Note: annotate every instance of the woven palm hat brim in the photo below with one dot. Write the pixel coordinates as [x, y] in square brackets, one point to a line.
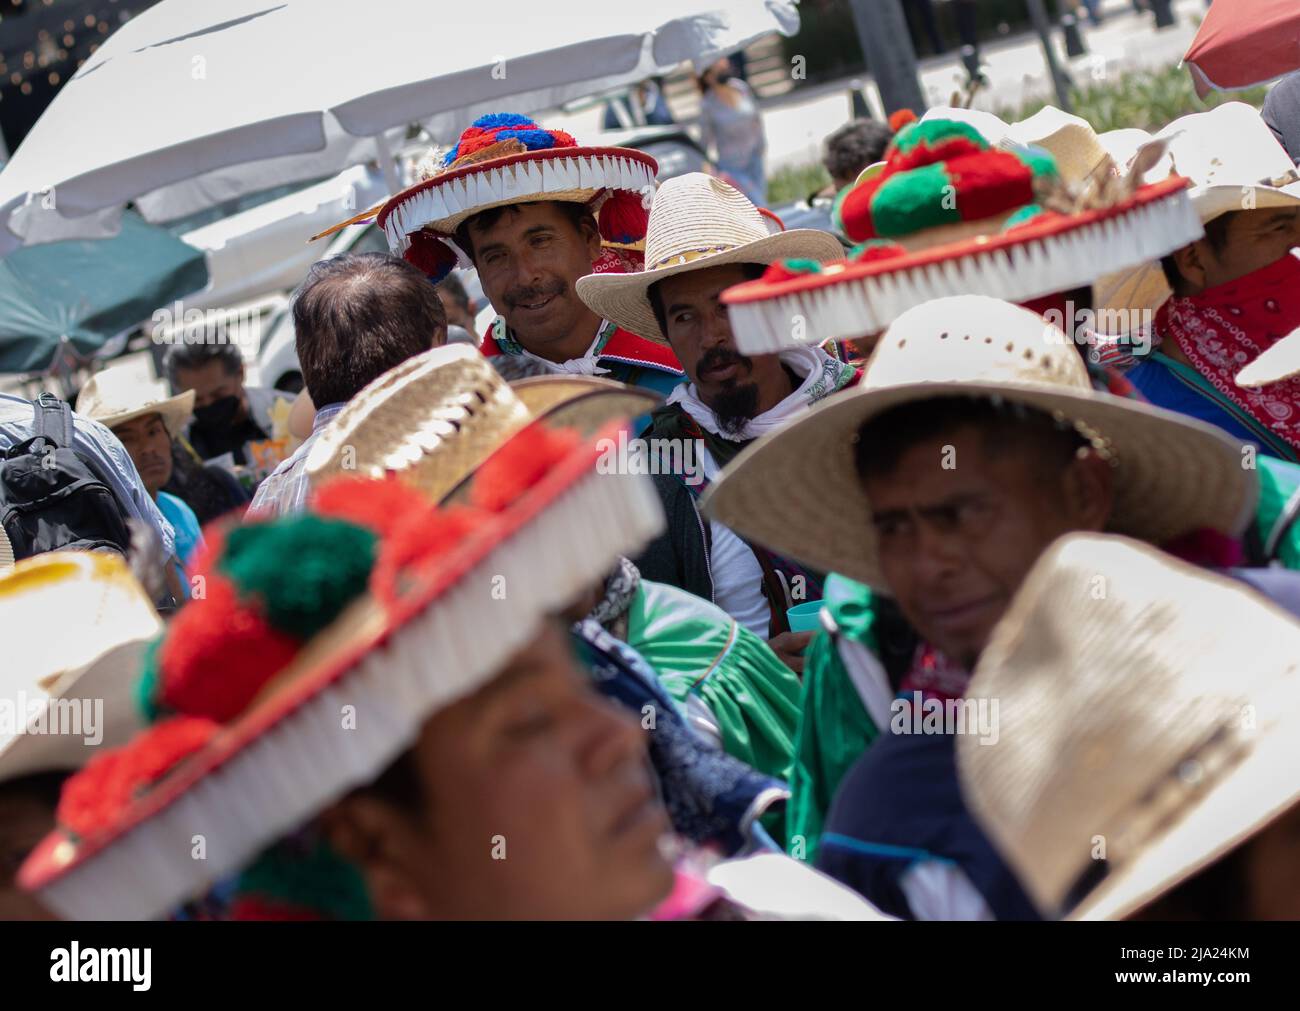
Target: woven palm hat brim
[1161, 715]
[436, 417]
[1042, 257]
[1272, 365]
[85, 623]
[1173, 474]
[286, 757]
[114, 397]
[698, 221]
[572, 174]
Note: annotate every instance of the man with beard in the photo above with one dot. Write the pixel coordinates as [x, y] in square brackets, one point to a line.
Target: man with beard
[571, 210]
[703, 237]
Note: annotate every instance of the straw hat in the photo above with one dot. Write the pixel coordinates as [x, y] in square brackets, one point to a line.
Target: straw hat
[84, 623]
[118, 395]
[437, 416]
[1235, 163]
[951, 213]
[1173, 474]
[697, 221]
[373, 602]
[1161, 716]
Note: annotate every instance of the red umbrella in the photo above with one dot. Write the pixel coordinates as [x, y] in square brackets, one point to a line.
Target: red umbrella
[1242, 43]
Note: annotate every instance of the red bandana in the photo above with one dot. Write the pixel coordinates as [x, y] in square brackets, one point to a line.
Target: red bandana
[1224, 328]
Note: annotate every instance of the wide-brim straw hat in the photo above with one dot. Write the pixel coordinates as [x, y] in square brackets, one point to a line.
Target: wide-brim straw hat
[1273, 364]
[437, 416]
[1148, 712]
[77, 625]
[118, 395]
[417, 638]
[1235, 163]
[697, 221]
[1173, 475]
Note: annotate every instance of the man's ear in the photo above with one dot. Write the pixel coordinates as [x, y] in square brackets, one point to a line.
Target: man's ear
[1090, 491]
[1191, 261]
[379, 840]
[591, 233]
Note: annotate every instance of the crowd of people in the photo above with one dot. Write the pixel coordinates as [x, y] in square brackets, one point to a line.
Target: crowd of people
[516, 624]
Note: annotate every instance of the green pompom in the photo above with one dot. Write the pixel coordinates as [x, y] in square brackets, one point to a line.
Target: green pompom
[305, 872]
[802, 266]
[1022, 216]
[146, 689]
[934, 131]
[304, 570]
[912, 201]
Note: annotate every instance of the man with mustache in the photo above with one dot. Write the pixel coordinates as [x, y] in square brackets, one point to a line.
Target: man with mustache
[572, 210]
[703, 237]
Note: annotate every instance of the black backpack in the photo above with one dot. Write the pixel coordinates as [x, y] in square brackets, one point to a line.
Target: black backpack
[51, 497]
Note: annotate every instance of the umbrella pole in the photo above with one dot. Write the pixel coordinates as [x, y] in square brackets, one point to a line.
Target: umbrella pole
[388, 164]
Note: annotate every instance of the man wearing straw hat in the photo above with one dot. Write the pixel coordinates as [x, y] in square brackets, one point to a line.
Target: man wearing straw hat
[703, 237]
[974, 440]
[533, 211]
[141, 414]
[1209, 308]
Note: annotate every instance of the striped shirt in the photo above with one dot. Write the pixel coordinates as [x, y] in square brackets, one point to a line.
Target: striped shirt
[286, 488]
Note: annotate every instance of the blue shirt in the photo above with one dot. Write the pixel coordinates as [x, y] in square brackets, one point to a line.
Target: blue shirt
[1155, 381]
[188, 535]
[95, 442]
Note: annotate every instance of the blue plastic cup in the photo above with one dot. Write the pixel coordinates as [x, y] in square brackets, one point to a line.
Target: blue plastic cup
[804, 617]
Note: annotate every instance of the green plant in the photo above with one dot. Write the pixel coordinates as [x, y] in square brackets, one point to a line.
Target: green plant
[1147, 99]
[795, 182]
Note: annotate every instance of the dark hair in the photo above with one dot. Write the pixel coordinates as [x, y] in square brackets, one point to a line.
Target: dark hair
[452, 286]
[576, 213]
[196, 356]
[400, 784]
[752, 272]
[854, 146]
[1216, 234]
[1216, 892]
[882, 440]
[358, 315]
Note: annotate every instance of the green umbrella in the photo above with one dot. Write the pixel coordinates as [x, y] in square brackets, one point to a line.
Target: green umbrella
[89, 290]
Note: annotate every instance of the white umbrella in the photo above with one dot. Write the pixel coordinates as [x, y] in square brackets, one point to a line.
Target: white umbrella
[191, 103]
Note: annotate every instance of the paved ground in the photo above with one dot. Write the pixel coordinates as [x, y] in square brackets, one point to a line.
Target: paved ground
[798, 122]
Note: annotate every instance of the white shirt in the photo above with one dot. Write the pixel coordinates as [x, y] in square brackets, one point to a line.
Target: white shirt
[737, 576]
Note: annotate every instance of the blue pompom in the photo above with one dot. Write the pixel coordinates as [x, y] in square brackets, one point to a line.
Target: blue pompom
[493, 120]
[534, 140]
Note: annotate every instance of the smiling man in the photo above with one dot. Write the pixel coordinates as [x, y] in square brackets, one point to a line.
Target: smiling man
[705, 236]
[571, 210]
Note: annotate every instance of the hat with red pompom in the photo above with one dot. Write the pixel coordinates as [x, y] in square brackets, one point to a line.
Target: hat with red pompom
[947, 213]
[375, 601]
[504, 158]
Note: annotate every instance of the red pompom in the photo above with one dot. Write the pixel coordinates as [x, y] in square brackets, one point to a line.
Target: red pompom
[925, 153]
[989, 183]
[623, 217]
[430, 255]
[853, 210]
[519, 464]
[218, 654]
[93, 798]
[899, 118]
[379, 504]
[788, 270]
[418, 543]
